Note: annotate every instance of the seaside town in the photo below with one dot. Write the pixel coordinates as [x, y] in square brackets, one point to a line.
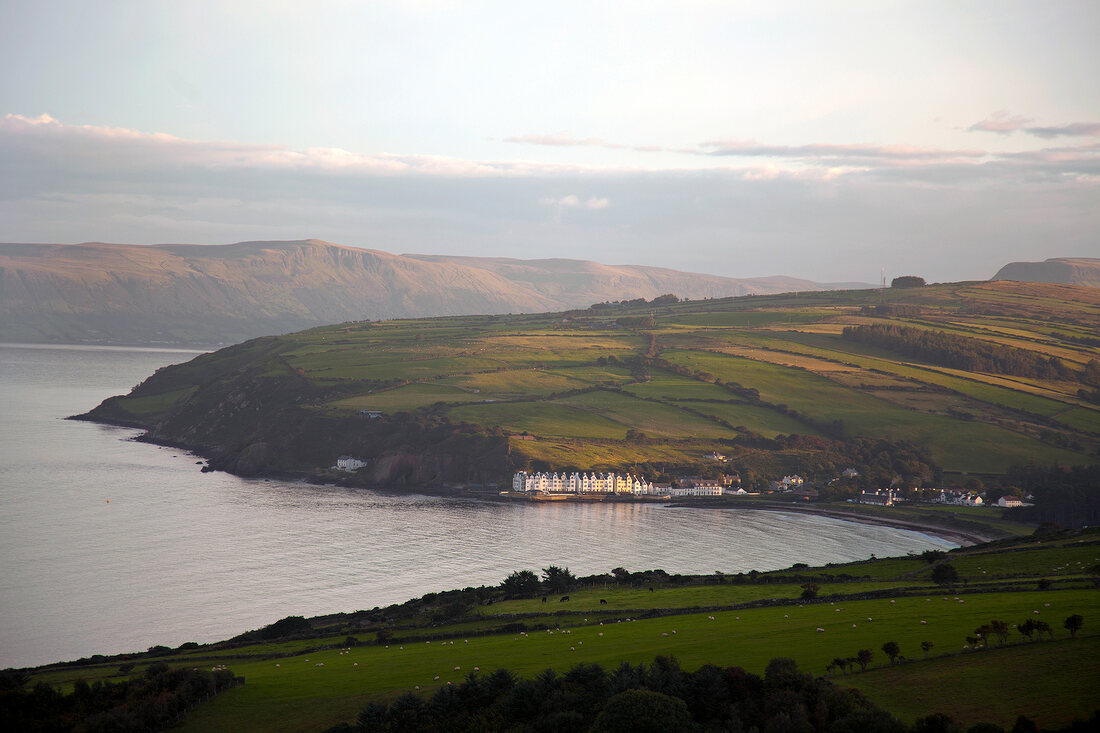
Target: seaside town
[600, 485]
[597, 484]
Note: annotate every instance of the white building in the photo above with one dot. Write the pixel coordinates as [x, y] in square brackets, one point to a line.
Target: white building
[1009, 501]
[580, 483]
[347, 463]
[702, 489]
[789, 482]
[882, 498]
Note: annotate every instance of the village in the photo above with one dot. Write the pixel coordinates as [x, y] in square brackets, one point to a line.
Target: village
[594, 485]
[540, 486]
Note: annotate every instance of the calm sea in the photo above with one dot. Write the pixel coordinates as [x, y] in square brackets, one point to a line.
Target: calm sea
[109, 545]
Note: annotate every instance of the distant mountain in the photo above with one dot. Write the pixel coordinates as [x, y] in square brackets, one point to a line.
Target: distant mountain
[1064, 270]
[208, 294]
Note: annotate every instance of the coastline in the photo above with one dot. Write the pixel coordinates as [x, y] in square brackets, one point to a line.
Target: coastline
[961, 537]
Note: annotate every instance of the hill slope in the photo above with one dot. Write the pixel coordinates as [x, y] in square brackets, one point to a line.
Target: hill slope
[1064, 270]
[217, 294]
[900, 384]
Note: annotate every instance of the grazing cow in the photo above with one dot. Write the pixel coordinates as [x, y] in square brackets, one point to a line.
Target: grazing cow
[544, 599]
[603, 602]
[650, 590]
[563, 599]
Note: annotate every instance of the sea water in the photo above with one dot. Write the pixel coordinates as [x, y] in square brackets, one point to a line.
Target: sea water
[109, 545]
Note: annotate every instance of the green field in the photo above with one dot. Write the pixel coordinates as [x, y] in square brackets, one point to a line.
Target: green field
[770, 365]
[308, 684]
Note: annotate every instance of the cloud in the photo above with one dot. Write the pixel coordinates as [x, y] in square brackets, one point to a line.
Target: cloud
[819, 211]
[831, 153]
[1000, 122]
[1073, 129]
[560, 139]
[572, 201]
[1003, 123]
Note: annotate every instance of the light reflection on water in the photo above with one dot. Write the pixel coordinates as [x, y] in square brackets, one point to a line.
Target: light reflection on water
[176, 555]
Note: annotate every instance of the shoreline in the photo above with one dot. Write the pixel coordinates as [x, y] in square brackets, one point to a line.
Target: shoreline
[963, 538]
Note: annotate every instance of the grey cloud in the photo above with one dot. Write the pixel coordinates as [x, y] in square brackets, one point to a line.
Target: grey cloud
[1003, 123]
[944, 219]
[1000, 122]
[1073, 129]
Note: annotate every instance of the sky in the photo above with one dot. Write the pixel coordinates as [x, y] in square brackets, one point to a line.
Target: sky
[824, 140]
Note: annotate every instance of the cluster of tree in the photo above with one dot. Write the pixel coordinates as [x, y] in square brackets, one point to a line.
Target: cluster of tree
[959, 352]
[147, 703]
[1062, 495]
[666, 299]
[659, 697]
[525, 584]
[907, 281]
[1028, 628]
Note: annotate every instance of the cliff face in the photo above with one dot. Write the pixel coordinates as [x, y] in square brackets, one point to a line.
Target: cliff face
[200, 294]
[1062, 270]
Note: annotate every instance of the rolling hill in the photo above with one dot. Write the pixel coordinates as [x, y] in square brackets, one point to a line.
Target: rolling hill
[1064, 270]
[970, 378]
[199, 294]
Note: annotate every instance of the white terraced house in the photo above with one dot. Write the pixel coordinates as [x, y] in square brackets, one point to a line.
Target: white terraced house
[581, 483]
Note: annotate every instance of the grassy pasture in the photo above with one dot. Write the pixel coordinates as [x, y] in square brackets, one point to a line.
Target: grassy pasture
[762, 420]
[517, 383]
[1051, 683]
[541, 418]
[667, 386]
[652, 418]
[746, 318]
[957, 445]
[602, 456]
[297, 695]
[408, 397]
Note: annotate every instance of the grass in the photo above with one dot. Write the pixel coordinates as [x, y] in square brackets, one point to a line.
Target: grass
[788, 347]
[295, 685]
[299, 696]
[1050, 683]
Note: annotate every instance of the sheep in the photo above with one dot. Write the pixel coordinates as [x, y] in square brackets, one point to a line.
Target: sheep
[457, 668]
[820, 629]
[923, 622]
[435, 678]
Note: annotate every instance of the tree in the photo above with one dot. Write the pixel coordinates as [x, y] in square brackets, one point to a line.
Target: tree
[1000, 630]
[1074, 623]
[840, 663]
[932, 557]
[642, 710]
[520, 584]
[558, 580]
[926, 646]
[907, 281]
[1042, 627]
[892, 650]
[809, 591]
[864, 657]
[945, 574]
[1027, 629]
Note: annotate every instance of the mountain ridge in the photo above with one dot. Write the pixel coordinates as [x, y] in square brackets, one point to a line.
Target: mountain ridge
[1061, 270]
[97, 292]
